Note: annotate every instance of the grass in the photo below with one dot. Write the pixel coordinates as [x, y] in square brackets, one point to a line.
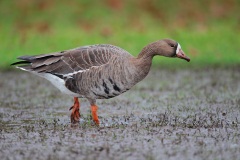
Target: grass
[31, 28]
[209, 48]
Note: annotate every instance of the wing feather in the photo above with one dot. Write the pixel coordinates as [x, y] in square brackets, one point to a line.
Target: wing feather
[71, 61]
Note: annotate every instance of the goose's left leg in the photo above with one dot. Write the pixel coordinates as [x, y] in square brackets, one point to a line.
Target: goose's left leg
[94, 109]
[75, 115]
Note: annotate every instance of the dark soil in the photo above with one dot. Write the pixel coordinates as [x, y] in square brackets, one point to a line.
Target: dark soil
[172, 114]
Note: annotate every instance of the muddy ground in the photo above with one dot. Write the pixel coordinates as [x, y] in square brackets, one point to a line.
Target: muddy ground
[171, 114]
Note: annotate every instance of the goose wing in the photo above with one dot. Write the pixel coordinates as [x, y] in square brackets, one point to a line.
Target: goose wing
[70, 61]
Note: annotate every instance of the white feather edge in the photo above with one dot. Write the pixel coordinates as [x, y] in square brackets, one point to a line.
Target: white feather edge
[56, 81]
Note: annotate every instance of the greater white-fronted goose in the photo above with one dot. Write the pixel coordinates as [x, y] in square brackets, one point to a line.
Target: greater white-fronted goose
[97, 71]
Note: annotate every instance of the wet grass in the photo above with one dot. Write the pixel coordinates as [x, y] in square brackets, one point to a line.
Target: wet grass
[172, 114]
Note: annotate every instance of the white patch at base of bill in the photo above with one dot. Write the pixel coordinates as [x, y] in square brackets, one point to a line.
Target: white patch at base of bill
[178, 48]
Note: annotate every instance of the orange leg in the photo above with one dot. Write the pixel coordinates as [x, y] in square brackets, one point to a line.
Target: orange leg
[94, 109]
[75, 115]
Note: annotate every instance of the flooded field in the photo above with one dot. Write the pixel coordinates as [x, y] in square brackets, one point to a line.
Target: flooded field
[171, 114]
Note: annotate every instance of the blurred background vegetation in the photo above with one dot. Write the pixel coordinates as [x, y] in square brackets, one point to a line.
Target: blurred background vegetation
[208, 31]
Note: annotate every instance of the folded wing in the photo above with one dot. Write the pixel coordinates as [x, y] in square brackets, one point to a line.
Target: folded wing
[71, 61]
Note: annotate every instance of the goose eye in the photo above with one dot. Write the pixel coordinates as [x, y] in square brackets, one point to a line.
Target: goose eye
[172, 45]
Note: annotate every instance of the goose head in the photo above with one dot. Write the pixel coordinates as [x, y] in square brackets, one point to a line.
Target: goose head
[167, 48]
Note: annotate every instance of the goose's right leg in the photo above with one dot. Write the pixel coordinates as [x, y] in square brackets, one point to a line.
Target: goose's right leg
[75, 115]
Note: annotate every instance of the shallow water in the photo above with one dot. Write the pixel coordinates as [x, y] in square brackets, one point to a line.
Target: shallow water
[172, 114]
